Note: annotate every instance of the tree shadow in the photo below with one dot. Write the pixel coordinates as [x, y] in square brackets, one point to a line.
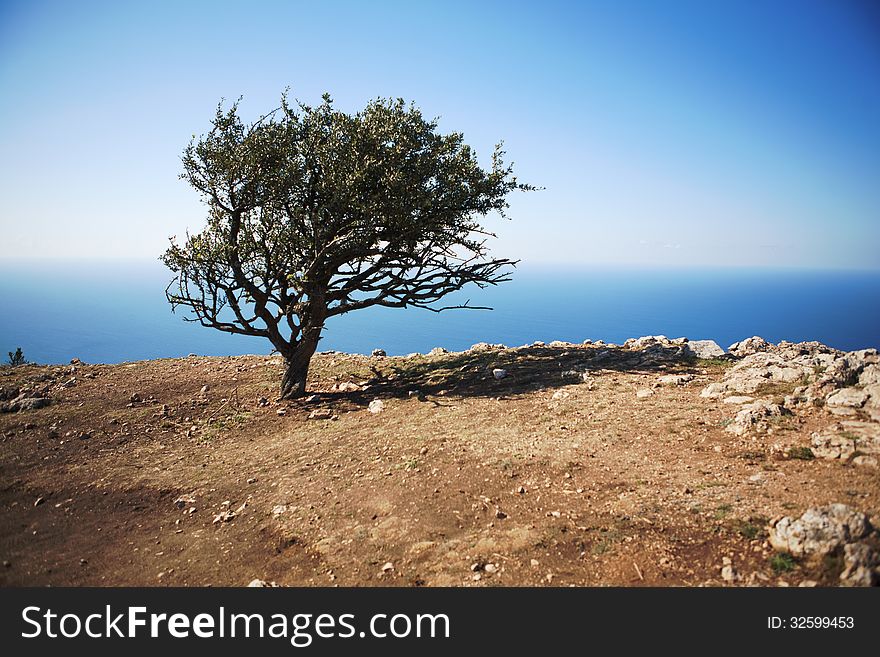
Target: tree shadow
[526, 369]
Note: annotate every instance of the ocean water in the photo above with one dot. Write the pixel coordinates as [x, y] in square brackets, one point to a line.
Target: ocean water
[115, 312]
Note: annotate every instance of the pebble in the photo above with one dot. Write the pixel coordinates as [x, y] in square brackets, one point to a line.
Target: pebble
[499, 373]
[376, 406]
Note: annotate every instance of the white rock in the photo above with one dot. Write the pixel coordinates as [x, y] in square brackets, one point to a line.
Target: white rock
[376, 406]
[499, 373]
[819, 531]
[675, 379]
[738, 399]
[644, 392]
[705, 348]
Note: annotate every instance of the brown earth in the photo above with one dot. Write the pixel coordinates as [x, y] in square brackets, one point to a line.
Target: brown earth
[539, 478]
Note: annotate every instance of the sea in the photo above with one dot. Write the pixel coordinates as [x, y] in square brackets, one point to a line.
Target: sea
[114, 311]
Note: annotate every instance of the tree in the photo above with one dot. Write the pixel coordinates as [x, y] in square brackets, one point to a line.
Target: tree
[313, 213]
[17, 358]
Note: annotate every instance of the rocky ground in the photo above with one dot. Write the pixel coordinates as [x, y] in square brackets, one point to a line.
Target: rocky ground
[656, 462]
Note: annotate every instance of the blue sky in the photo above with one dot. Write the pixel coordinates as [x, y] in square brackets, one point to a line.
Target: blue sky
[665, 133]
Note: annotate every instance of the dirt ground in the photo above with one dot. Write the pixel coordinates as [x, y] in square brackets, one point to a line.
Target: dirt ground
[188, 472]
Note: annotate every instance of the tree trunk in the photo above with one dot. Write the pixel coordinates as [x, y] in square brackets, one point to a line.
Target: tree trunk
[293, 383]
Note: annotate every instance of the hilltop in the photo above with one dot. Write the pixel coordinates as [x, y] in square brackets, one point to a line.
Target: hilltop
[656, 462]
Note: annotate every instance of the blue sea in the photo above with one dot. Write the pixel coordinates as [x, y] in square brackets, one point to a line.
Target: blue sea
[115, 312]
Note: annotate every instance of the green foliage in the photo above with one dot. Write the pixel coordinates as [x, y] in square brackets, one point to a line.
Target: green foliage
[16, 359]
[802, 453]
[782, 562]
[313, 212]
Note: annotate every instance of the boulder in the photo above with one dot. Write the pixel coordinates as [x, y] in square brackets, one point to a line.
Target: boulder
[749, 346]
[705, 349]
[819, 531]
[755, 416]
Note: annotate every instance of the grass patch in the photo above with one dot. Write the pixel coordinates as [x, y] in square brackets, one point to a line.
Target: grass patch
[751, 529]
[782, 563]
[801, 453]
[722, 511]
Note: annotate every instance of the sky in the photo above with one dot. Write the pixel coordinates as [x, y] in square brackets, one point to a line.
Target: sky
[671, 133]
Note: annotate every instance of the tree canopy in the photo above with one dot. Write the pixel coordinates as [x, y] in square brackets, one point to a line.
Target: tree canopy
[313, 212]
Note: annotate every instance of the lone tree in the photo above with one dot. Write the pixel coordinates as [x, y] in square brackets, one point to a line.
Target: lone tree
[313, 212]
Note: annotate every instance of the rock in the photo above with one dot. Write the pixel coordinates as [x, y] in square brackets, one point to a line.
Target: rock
[387, 567]
[279, 509]
[26, 404]
[348, 386]
[204, 390]
[135, 398]
[862, 565]
[499, 373]
[490, 568]
[262, 584]
[560, 394]
[749, 346]
[7, 393]
[704, 349]
[75, 361]
[378, 353]
[281, 412]
[870, 375]
[644, 393]
[376, 406]
[738, 399]
[224, 516]
[714, 390]
[675, 379]
[321, 414]
[819, 531]
[755, 416]
[437, 351]
[480, 346]
[848, 440]
[846, 398]
[559, 344]
[728, 574]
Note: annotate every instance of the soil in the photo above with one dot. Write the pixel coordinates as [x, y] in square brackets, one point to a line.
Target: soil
[189, 472]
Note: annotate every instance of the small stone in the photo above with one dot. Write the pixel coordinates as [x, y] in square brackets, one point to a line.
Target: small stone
[281, 412]
[378, 353]
[376, 406]
[135, 398]
[387, 567]
[423, 451]
[499, 373]
[728, 574]
[490, 568]
[644, 392]
[534, 563]
[261, 583]
[279, 509]
[39, 501]
[252, 480]
[500, 514]
[204, 389]
[321, 414]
